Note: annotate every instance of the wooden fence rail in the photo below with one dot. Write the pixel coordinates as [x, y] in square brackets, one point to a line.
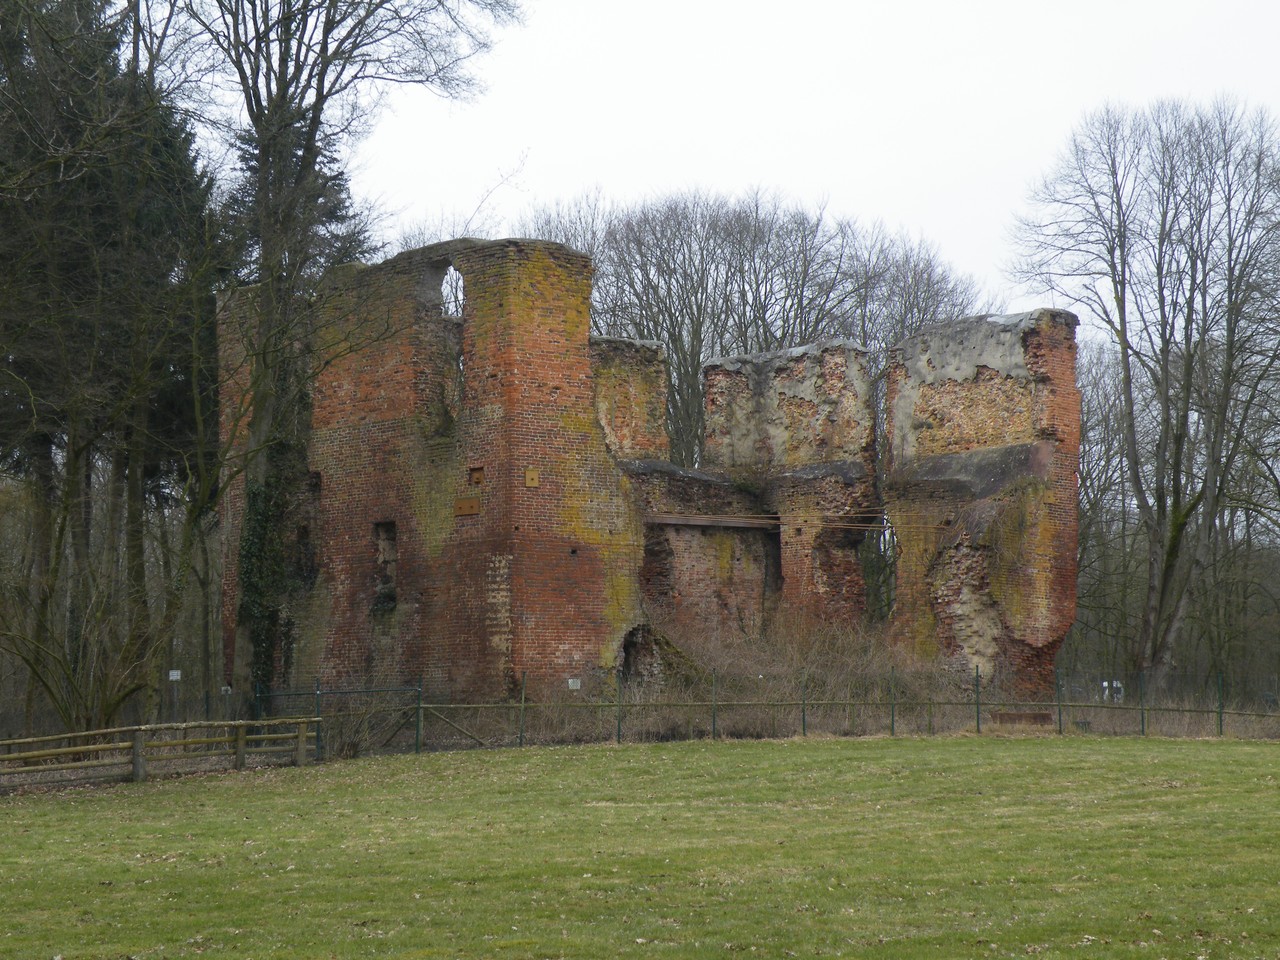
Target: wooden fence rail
[126, 752]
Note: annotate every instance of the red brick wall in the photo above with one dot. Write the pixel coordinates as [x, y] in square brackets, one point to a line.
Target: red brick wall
[543, 576]
[535, 519]
[984, 429]
[699, 575]
[574, 538]
[796, 426]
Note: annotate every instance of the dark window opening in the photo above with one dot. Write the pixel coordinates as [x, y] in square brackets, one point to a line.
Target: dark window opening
[303, 560]
[384, 538]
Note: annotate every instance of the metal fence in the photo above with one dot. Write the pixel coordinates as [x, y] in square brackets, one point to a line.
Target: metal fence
[923, 703]
[331, 723]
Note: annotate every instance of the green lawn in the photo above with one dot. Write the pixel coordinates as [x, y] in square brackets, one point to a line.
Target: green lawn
[946, 847]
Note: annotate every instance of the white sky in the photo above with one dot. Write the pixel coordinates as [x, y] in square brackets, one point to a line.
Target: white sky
[934, 117]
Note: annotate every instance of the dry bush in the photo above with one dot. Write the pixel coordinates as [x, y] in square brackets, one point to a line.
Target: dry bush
[800, 672]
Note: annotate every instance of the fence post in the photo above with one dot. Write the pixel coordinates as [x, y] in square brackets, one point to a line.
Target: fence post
[617, 732]
[300, 751]
[804, 710]
[1057, 695]
[242, 743]
[713, 704]
[417, 730]
[319, 741]
[1142, 703]
[850, 708]
[1220, 703]
[524, 678]
[977, 696]
[893, 703]
[138, 756]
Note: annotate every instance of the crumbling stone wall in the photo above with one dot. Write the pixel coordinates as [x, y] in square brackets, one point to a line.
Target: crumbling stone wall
[796, 426]
[711, 561]
[983, 448]
[490, 497]
[476, 446]
[773, 519]
[630, 379]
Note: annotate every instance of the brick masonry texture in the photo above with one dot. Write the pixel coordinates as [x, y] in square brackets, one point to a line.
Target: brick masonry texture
[489, 498]
[984, 436]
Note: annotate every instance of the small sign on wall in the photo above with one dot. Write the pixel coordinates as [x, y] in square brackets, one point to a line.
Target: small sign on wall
[466, 506]
[175, 675]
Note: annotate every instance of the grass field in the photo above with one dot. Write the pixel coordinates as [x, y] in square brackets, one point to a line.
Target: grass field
[947, 847]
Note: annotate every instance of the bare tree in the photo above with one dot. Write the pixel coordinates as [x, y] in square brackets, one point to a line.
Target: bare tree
[1163, 225]
[1110, 551]
[304, 73]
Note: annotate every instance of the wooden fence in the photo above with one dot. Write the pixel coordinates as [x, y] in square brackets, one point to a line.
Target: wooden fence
[127, 752]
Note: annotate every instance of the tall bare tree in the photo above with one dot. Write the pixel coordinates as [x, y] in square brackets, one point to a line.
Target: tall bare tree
[1164, 225]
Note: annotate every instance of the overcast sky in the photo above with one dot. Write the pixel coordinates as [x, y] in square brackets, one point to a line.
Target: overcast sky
[933, 117]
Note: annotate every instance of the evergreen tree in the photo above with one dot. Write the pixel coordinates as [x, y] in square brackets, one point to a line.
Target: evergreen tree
[104, 345]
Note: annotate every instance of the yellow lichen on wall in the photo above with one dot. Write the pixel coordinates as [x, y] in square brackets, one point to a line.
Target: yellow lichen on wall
[991, 411]
[1020, 540]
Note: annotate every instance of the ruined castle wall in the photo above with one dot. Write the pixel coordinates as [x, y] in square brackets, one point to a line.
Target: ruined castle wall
[630, 378]
[382, 444]
[557, 511]
[796, 425]
[467, 521]
[354, 531]
[702, 576]
[823, 515]
[490, 497]
[793, 408]
[984, 426]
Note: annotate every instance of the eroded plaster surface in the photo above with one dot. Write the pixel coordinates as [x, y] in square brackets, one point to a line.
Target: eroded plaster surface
[984, 417]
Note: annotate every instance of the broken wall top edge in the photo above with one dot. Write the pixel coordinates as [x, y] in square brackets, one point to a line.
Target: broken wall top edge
[955, 349]
[740, 360]
[631, 342]
[447, 250]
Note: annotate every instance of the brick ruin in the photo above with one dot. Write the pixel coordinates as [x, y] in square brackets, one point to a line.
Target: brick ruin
[491, 497]
[983, 446]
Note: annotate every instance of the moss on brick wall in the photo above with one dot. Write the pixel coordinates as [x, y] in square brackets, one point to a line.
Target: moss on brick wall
[984, 419]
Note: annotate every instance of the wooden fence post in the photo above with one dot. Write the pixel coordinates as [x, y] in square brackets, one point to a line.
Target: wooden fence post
[241, 744]
[139, 758]
[300, 754]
